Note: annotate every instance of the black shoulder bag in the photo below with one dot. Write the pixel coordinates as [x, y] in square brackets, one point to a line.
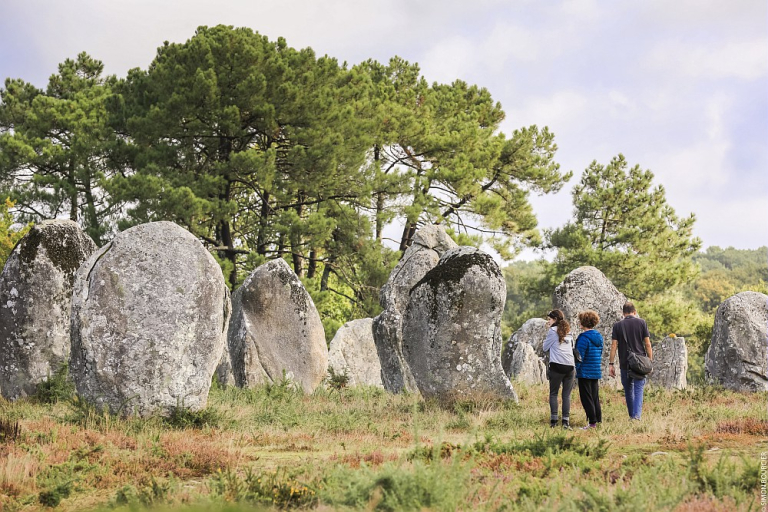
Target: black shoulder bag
[639, 365]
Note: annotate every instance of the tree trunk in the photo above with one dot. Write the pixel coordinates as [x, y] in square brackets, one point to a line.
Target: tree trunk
[92, 216]
[312, 266]
[261, 239]
[296, 239]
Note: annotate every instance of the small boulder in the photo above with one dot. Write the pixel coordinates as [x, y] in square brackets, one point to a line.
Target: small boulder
[276, 330]
[149, 318]
[429, 243]
[738, 355]
[588, 288]
[452, 328]
[353, 352]
[526, 366]
[532, 332]
[35, 299]
[670, 364]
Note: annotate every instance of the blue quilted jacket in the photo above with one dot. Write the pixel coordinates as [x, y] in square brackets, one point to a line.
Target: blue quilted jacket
[590, 346]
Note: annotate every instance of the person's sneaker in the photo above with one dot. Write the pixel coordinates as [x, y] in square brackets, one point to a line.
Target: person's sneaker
[566, 425]
[591, 425]
[552, 423]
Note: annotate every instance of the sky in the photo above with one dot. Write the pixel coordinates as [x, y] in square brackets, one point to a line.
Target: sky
[680, 88]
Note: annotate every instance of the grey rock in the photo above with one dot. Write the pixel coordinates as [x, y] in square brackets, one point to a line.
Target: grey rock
[738, 355]
[588, 288]
[532, 332]
[670, 364]
[526, 366]
[452, 328]
[353, 351]
[429, 243]
[276, 330]
[35, 298]
[149, 319]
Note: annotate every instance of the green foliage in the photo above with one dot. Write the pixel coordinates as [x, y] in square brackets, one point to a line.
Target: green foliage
[276, 488]
[524, 299]
[625, 228]
[181, 417]
[9, 235]
[56, 146]
[151, 495]
[337, 381]
[393, 487]
[56, 387]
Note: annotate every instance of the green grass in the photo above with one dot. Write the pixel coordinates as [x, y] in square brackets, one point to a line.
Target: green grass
[348, 448]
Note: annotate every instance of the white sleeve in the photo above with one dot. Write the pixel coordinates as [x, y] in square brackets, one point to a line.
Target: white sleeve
[551, 340]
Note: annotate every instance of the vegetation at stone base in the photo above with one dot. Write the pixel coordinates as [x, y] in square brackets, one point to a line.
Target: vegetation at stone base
[274, 448]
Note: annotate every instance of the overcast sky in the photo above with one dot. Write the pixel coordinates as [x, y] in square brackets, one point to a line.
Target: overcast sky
[679, 87]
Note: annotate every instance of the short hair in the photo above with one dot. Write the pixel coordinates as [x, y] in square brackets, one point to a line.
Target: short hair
[589, 318]
[628, 308]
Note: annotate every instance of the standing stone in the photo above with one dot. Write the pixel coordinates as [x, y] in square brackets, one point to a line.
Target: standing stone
[588, 288]
[532, 332]
[452, 328]
[149, 318]
[670, 364]
[353, 351]
[738, 355]
[35, 298]
[429, 244]
[276, 330]
[526, 366]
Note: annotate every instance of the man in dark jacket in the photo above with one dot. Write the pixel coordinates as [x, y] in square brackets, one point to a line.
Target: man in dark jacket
[589, 369]
[630, 334]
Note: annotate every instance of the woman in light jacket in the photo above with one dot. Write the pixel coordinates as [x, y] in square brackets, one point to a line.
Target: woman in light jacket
[559, 344]
[589, 370]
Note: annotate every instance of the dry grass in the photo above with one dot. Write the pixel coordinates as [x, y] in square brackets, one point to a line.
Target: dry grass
[344, 442]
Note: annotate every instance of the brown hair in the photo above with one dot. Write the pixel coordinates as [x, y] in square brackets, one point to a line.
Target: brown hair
[628, 308]
[563, 327]
[589, 318]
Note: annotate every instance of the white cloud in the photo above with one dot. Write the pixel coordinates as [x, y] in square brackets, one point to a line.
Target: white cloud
[743, 60]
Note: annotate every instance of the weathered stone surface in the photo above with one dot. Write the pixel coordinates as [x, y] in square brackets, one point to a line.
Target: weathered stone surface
[35, 298]
[532, 332]
[276, 330]
[429, 243]
[670, 364]
[149, 319]
[353, 351]
[738, 355]
[588, 288]
[452, 328]
[526, 366]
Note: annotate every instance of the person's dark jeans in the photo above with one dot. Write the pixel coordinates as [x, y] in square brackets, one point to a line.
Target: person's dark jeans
[633, 392]
[589, 392]
[566, 380]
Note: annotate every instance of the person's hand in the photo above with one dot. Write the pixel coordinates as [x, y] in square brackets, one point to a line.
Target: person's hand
[612, 371]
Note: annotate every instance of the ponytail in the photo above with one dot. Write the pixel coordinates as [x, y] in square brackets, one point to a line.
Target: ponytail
[562, 325]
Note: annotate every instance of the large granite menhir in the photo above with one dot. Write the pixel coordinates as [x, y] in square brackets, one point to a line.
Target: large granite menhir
[525, 365]
[532, 333]
[149, 319]
[738, 355]
[452, 328]
[588, 288]
[353, 351]
[35, 298]
[276, 331]
[429, 244]
[670, 363]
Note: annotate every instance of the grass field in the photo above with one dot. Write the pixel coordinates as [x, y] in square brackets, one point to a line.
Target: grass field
[273, 447]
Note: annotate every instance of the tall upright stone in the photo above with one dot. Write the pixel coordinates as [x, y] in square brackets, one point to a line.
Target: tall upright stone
[525, 365]
[35, 298]
[670, 363]
[452, 328]
[429, 244]
[149, 318]
[276, 330]
[353, 352]
[532, 333]
[588, 288]
[738, 355]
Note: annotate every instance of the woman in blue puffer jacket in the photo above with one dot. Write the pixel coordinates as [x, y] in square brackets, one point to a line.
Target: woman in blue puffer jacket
[589, 369]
